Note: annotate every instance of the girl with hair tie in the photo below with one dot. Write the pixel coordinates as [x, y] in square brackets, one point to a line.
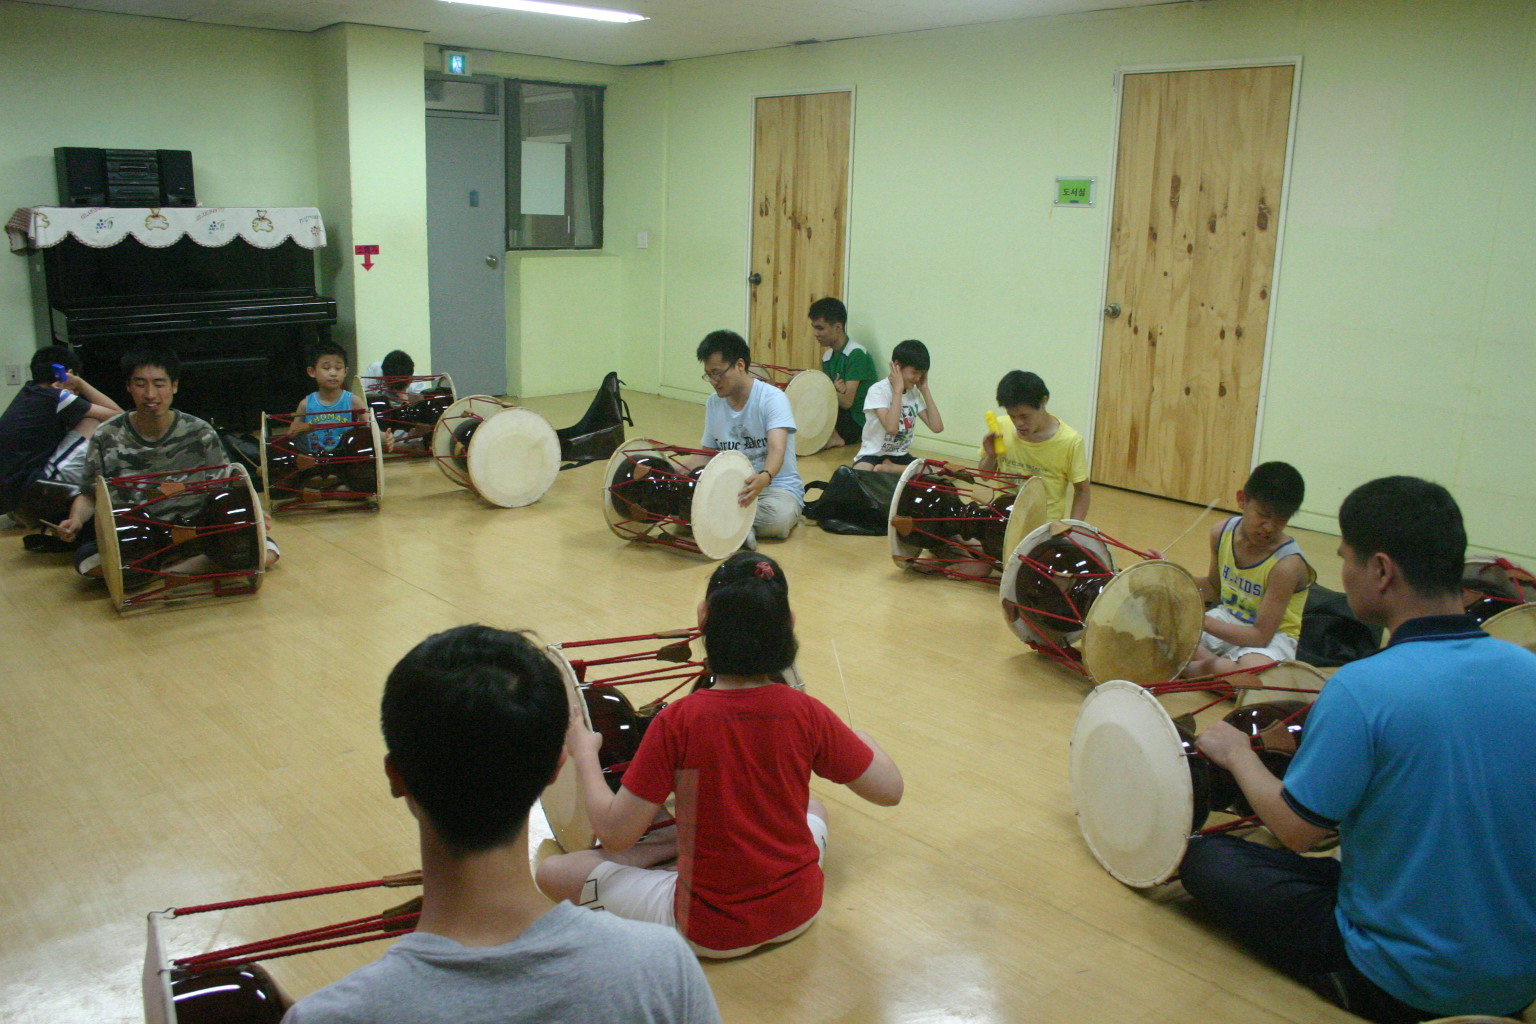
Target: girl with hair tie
[738, 756]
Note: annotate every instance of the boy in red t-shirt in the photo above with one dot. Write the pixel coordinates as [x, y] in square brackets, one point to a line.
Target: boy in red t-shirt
[739, 757]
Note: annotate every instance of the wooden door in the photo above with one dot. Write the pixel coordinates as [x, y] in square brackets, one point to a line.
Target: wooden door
[1198, 180]
[799, 220]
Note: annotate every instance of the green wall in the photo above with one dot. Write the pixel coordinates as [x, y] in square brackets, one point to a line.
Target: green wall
[242, 100]
[569, 321]
[373, 155]
[1401, 339]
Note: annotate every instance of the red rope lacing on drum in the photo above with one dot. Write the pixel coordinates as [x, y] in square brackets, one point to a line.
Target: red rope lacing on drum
[999, 482]
[1523, 582]
[639, 525]
[302, 499]
[175, 581]
[1043, 643]
[345, 933]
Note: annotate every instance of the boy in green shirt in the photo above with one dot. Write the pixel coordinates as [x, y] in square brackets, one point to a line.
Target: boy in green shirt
[850, 366]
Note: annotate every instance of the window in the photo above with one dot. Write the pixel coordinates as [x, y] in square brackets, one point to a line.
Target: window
[554, 165]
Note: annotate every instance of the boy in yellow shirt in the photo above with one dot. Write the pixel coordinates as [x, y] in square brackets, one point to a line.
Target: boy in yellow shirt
[1039, 445]
[1259, 576]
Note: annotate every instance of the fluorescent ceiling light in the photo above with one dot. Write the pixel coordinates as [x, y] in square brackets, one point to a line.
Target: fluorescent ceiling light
[569, 10]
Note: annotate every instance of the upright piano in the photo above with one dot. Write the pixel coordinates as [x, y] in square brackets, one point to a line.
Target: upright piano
[239, 313]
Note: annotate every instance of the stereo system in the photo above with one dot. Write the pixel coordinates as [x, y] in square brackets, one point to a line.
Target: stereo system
[124, 177]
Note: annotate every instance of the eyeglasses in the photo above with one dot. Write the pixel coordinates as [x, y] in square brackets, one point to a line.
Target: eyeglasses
[713, 376]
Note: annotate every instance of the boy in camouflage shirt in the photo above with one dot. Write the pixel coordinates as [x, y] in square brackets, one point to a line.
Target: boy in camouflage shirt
[152, 438]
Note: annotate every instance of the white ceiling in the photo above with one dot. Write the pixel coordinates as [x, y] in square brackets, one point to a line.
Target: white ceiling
[676, 29]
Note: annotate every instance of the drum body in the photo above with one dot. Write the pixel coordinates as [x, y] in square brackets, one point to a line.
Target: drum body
[1140, 788]
[1053, 578]
[1283, 680]
[185, 534]
[958, 521]
[300, 476]
[227, 995]
[44, 503]
[1491, 586]
[812, 398]
[411, 418]
[652, 495]
[599, 677]
[508, 455]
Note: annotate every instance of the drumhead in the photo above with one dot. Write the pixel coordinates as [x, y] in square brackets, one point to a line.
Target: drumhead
[479, 406]
[813, 400]
[1517, 625]
[903, 550]
[620, 523]
[1028, 515]
[266, 478]
[1092, 542]
[1131, 785]
[1144, 625]
[514, 458]
[106, 543]
[260, 568]
[378, 459]
[1296, 680]
[719, 522]
[561, 800]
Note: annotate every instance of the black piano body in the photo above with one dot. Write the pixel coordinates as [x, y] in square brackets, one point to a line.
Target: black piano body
[238, 316]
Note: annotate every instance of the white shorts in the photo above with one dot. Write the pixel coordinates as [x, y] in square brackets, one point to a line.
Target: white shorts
[647, 894]
[1281, 647]
[67, 463]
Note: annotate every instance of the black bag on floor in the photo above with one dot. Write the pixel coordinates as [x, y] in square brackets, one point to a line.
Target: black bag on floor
[1330, 633]
[854, 501]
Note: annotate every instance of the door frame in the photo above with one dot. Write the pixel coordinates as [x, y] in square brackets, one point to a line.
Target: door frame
[748, 203]
[1281, 209]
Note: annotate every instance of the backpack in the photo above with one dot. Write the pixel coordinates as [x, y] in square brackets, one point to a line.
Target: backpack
[854, 501]
[1330, 633]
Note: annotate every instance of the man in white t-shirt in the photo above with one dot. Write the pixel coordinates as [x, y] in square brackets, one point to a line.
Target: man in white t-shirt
[754, 418]
[892, 409]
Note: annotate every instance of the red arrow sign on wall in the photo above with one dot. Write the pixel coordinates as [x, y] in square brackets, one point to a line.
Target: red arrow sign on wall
[367, 252]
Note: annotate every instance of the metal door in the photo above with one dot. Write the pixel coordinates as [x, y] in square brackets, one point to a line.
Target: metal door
[466, 228]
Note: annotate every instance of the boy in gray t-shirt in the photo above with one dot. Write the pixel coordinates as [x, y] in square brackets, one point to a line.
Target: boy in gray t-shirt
[474, 722]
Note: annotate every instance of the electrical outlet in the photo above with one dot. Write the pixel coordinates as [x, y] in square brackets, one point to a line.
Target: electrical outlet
[13, 374]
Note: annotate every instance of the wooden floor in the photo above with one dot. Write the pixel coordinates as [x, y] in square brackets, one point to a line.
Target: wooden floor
[232, 748]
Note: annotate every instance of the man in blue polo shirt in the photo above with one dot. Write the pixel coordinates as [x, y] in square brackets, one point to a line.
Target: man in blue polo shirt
[1421, 757]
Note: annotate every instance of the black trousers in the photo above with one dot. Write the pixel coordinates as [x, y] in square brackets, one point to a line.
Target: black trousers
[1280, 905]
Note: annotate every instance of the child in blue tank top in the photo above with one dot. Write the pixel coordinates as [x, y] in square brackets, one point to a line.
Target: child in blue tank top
[329, 403]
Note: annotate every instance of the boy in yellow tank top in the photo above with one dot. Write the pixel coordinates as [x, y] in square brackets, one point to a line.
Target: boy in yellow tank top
[1258, 575]
[1039, 445]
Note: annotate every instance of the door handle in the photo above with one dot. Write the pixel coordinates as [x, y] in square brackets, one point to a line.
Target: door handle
[492, 261]
[754, 278]
[1112, 310]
